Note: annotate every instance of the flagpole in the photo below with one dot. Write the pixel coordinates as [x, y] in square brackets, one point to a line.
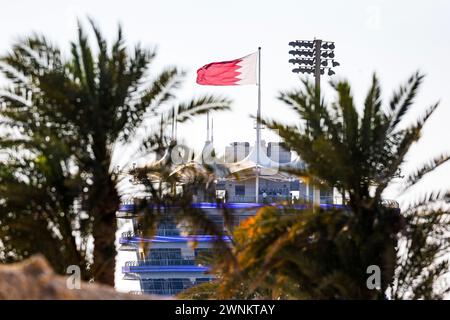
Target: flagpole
[207, 127]
[258, 127]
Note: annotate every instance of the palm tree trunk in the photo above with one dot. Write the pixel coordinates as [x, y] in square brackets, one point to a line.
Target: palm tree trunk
[104, 232]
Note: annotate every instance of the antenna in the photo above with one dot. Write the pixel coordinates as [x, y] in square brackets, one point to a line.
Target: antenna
[175, 122]
[207, 126]
[212, 129]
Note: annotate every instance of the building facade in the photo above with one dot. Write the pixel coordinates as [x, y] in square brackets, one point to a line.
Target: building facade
[168, 263]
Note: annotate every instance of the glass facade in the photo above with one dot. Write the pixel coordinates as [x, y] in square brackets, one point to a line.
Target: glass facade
[163, 254]
[171, 286]
[171, 265]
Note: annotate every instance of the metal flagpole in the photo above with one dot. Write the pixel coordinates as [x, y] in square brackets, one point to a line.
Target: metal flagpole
[212, 130]
[258, 127]
[207, 126]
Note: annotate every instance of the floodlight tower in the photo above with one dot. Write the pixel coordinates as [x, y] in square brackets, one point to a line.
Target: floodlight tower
[313, 57]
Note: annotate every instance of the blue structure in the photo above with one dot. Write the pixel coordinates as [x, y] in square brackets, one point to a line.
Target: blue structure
[169, 264]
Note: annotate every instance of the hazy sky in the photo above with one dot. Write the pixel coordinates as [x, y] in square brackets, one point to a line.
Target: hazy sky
[392, 38]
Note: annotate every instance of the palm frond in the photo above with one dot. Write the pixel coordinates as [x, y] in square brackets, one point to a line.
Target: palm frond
[426, 168]
[403, 98]
[201, 105]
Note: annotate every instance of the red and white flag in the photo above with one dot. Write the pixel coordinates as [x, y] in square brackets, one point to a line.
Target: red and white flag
[229, 73]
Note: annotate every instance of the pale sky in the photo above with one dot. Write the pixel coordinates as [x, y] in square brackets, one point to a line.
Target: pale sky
[392, 38]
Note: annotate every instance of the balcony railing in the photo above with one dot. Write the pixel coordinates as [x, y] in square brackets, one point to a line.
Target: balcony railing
[278, 198]
[261, 199]
[234, 201]
[159, 232]
[128, 235]
[188, 261]
[163, 292]
[169, 265]
[238, 199]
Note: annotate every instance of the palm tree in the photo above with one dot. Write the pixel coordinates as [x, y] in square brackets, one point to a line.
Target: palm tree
[356, 153]
[359, 154]
[38, 203]
[324, 253]
[282, 253]
[98, 101]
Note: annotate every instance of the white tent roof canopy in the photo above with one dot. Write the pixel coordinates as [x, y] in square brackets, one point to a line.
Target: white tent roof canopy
[243, 169]
[265, 163]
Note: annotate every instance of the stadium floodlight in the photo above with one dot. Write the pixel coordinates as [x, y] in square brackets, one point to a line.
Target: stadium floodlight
[312, 56]
[301, 43]
[303, 70]
[306, 53]
[302, 61]
[335, 63]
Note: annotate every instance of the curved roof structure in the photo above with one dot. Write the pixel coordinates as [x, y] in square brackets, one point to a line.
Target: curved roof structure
[207, 162]
[268, 168]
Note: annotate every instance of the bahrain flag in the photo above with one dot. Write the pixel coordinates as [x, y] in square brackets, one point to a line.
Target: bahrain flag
[229, 73]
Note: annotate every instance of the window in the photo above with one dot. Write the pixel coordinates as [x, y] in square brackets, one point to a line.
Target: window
[239, 190]
[167, 228]
[165, 254]
[165, 286]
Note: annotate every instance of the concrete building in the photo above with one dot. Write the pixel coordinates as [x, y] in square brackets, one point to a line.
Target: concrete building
[236, 151]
